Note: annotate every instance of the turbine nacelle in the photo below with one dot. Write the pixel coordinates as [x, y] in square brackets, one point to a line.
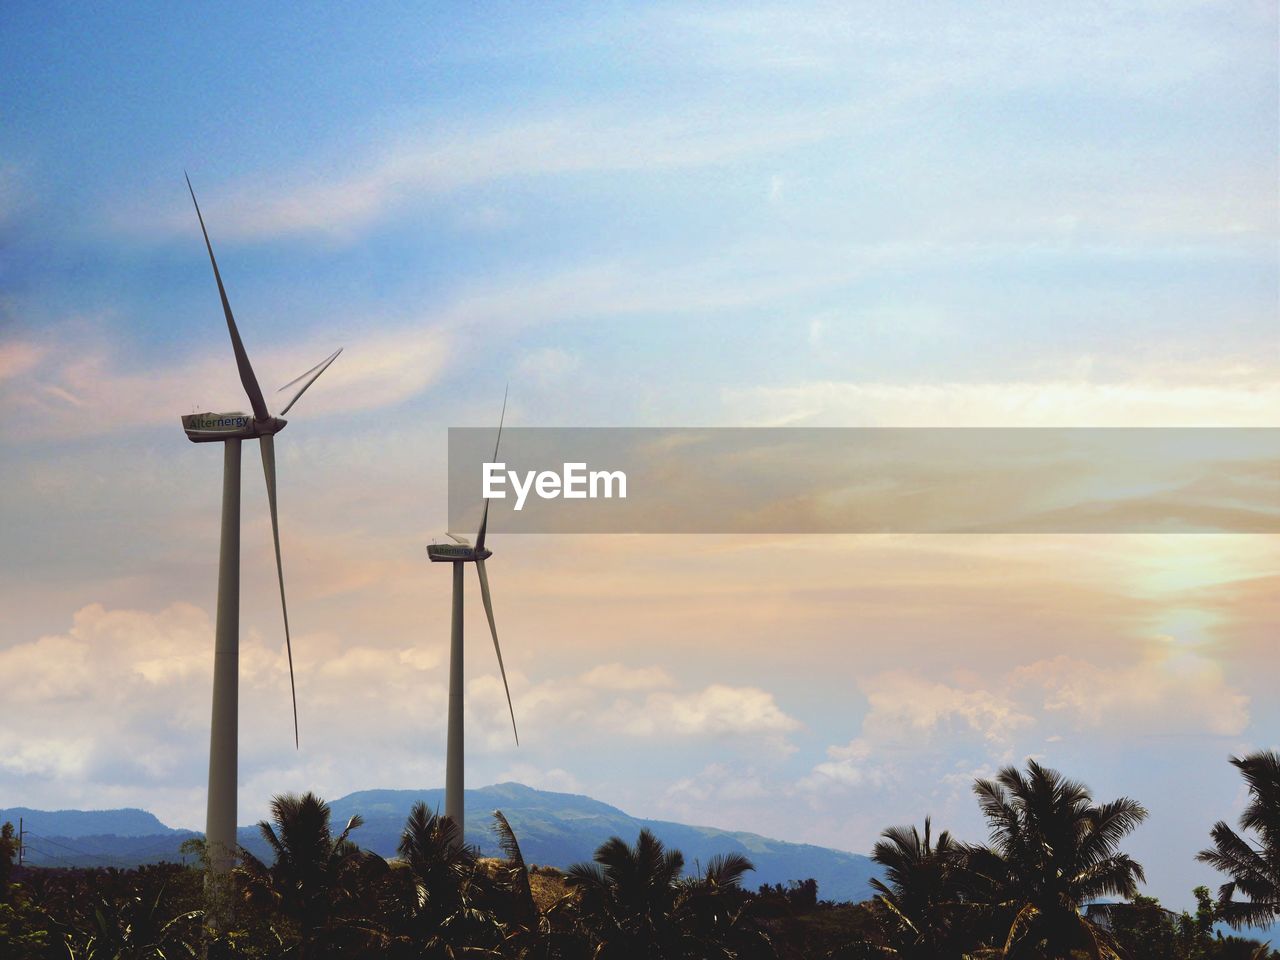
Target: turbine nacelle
[457, 553]
[214, 427]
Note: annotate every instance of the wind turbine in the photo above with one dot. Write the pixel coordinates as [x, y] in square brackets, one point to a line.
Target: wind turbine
[462, 553]
[229, 429]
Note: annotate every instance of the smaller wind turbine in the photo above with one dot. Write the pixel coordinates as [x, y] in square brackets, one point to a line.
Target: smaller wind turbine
[462, 553]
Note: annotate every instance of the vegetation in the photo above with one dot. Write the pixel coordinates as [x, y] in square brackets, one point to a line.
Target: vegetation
[1052, 851]
[1254, 867]
[1042, 887]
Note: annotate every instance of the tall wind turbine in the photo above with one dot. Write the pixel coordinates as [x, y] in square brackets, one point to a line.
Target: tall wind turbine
[462, 553]
[229, 429]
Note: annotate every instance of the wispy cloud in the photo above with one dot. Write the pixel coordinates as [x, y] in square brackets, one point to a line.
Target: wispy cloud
[357, 191]
[75, 385]
[1250, 397]
[18, 357]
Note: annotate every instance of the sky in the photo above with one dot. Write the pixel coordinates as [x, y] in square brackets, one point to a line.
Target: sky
[666, 215]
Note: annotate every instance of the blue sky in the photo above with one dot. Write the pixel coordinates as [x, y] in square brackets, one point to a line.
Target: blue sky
[664, 215]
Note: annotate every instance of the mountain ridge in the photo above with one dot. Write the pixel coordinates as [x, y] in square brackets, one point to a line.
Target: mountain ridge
[554, 829]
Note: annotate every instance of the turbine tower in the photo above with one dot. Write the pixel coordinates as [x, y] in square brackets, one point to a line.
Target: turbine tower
[462, 553]
[229, 429]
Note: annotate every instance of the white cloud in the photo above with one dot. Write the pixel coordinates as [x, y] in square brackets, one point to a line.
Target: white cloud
[118, 705]
[1250, 398]
[616, 676]
[910, 716]
[715, 710]
[906, 707]
[611, 699]
[850, 765]
[1169, 691]
[76, 385]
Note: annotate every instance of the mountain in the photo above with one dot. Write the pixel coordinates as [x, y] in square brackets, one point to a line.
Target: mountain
[129, 822]
[559, 829]
[95, 838]
[554, 829]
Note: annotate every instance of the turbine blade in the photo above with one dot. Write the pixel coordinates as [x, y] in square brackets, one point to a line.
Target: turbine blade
[458, 539]
[268, 443]
[312, 375]
[484, 524]
[247, 378]
[493, 629]
[484, 517]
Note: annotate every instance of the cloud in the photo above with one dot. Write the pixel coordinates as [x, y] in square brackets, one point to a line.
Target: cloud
[118, 705]
[117, 691]
[905, 708]
[616, 676]
[547, 366]
[910, 716]
[612, 700]
[17, 357]
[727, 789]
[541, 778]
[1249, 398]
[76, 384]
[715, 710]
[850, 765]
[1168, 692]
[355, 191]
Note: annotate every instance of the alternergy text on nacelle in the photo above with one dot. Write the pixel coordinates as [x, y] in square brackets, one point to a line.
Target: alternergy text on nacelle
[574, 482]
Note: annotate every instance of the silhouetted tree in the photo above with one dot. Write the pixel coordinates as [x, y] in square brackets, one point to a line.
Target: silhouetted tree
[634, 904]
[627, 897]
[1254, 867]
[717, 917]
[441, 897]
[533, 931]
[920, 898]
[8, 853]
[1051, 851]
[317, 882]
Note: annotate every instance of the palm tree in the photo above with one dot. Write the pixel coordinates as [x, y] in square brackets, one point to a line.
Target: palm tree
[1254, 868]
[443, 899]
[523, 909]
[921, 893]
[627, 898]
[1052, 850]
[634, 904]
[535, 933]
[716, 917]
[317, 880]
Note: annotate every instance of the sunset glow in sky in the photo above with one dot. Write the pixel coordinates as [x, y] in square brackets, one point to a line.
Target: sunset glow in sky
[669, 215]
